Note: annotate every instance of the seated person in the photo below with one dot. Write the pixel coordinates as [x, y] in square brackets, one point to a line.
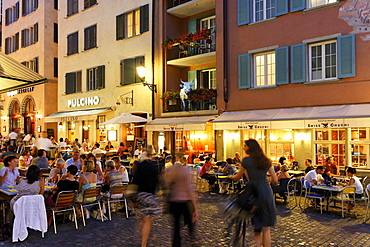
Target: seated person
[41, 160]
[331, 167]
[229, 169]
[98, 169]
[10, 151]
[207, 166]
[309, 166]
[32, 185]
[75, 160]
[109, 146]
[121, 168]
[57, 172]
[86, 180]
[281, 188]
[314, 177]
[354, 181]
[111, 176]
[237, 159]
[97, 149]
[25, 159]
[9, 175]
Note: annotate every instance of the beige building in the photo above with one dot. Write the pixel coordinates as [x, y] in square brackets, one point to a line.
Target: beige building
[29, 31]
[100, 45]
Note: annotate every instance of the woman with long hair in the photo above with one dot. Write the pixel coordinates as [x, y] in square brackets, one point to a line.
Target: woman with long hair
[256, 166]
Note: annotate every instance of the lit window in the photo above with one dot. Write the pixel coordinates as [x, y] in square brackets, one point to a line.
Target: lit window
[316, 3]
[323, 61]
[264, 67]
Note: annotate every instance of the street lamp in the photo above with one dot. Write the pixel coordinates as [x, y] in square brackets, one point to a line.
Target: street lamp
[141, 71]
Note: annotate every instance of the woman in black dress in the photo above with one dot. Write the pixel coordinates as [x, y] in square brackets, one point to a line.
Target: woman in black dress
[255, 166]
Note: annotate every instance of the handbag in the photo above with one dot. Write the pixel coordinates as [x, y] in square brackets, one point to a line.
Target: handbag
[131, 191]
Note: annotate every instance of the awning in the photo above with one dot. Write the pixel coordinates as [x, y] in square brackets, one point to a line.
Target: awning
[344, 116]
[178, 123]
[75, 115]
[14, 75]
[126, 118]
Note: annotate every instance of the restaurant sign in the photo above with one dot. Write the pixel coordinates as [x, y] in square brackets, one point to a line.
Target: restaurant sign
[254, 125]
[83, 101]
[326, 124]
[19, 91]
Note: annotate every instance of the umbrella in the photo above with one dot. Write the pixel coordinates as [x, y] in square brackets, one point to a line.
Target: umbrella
[126, 118]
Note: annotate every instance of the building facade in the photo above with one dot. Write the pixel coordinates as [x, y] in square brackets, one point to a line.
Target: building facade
[29, 35]
[296, 80]
[100, 45]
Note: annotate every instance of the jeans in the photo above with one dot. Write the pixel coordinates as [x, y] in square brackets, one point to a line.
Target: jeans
[178, 209]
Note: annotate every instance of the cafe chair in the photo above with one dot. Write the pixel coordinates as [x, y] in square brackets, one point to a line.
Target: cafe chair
[346, 195]
[91, 197]
[117, 194]
[313, 196]
[29, 211]
[65, 202]
[367, 192]
[291, 190]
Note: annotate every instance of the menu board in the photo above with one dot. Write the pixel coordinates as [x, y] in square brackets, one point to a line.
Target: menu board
[139, 142]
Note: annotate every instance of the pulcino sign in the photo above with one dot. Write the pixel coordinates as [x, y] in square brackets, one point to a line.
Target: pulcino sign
[83, 101]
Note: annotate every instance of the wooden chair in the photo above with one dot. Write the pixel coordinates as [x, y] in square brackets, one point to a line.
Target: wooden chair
[91, 193]
[65, 202]
[346, 195]
[117, 194]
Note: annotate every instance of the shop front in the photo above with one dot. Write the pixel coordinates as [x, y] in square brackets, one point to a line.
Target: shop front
[191, 136]
[300, 133]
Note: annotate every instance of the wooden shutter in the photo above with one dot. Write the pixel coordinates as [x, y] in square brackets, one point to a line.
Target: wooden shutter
[101, 77]
[144, 18]
[193, 75]
[244, 16]
[23, 38]
[298, 63]
[78, 81]
[36, 4]
[122, 72]
[244, 71]
[36, 65]
[296, 5]
[36, 33]
[56, 33]
[56, 4]
[281, 7]
[6, 45]
[346, 56]
[70, 83]
[16, 41]
[120, 26]
[129, 71]
[282, 75]
[23, 7]
[7, 17]
[16, 10]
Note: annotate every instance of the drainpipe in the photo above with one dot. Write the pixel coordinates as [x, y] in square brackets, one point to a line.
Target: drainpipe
[225, 55]
[153, 46]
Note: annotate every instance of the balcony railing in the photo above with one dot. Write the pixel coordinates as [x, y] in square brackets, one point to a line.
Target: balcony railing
[200, 47]
[174, 3]
[177, 105]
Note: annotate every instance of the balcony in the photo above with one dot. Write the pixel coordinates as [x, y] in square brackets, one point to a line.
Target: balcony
[203, 105]
[186, 8]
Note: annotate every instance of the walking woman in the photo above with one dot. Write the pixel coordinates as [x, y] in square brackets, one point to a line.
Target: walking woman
[255, 166]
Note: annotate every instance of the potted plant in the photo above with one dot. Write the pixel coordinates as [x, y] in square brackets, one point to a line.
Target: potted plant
[171, 96]
[186, 40]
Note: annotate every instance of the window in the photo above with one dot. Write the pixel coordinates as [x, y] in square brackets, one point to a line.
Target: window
[360, 146]
[95, 78]
[264, 69]
[209, 23]
[132, 23]
[72, 43]
[29, 36]
[90, 37]
[128, 70]
[330, 142]
[316, 3]
[12, 14]
[56, 4]
[12, 44]
[73, 82]
[29, 6]
[209, 79]
[89, 3]
[323, 61]
[263, 10]
[32, 64]
[72, 7]
[56, 33]
[55, 67]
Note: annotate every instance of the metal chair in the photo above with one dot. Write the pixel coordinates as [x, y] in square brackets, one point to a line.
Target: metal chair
[93, 194]
[65, 202]
[346, 195]
[367, 203]
[291, 190]
[309, 195]
[117, 194]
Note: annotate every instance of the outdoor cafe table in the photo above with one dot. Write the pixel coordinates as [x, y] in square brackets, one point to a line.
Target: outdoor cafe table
[328, 191]
[296, 173]
[218, 175]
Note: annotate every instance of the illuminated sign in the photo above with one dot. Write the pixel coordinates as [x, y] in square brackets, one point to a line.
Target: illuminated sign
[326, 124]
[19, 91]
[83, 101]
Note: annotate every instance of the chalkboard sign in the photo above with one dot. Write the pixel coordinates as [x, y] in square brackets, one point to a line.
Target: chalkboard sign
[50, 132]
[139, 142]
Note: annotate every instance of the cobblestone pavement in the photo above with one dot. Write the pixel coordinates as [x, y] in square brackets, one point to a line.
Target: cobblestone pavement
[294, 228]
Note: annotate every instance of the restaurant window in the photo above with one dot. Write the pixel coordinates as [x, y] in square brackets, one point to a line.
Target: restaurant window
[263, 10]
[95, 78]
[128, 70]
[200, 142]
[208, 78]
[12, 44]
[317, 3]
[12, 14]
[258, 135]
[90, 37]
[15, 116]
[89, 3]
[73, 82]
[323, 61]
[132, 23]
[55, 33]
[281, 145]
[32, 64]
[72, 7]
[72, 43]
[330, 142]
[264, 69]
[29, 36]
[29, 6]
[360, 146]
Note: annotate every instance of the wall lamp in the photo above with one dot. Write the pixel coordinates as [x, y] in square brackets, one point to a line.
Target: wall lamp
[38, 116]
[141, 71]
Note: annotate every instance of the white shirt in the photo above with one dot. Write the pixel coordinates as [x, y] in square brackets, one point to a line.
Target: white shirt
[44, 143]
[312, 175]
[358, 185]
[62, 145]
[13, 135]
[97, 151]
[11, 177]
[27, 138]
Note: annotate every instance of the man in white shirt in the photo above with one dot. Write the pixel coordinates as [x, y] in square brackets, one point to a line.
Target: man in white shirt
[75, 160]
[13, 138]
[43, 142]
[97, 149]
[138, 151]
[314, 177]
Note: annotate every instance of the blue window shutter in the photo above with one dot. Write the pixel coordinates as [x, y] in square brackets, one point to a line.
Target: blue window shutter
[244, 71]
[297, 5]
[282, 75]
[281, 7]
[192, 26]
[298, 63]
[346, 56]
[192, 75]
[243, 12]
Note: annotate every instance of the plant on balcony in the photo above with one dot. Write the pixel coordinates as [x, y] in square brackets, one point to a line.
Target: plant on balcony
[190, 39]
[200, 94]
[171, 95]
